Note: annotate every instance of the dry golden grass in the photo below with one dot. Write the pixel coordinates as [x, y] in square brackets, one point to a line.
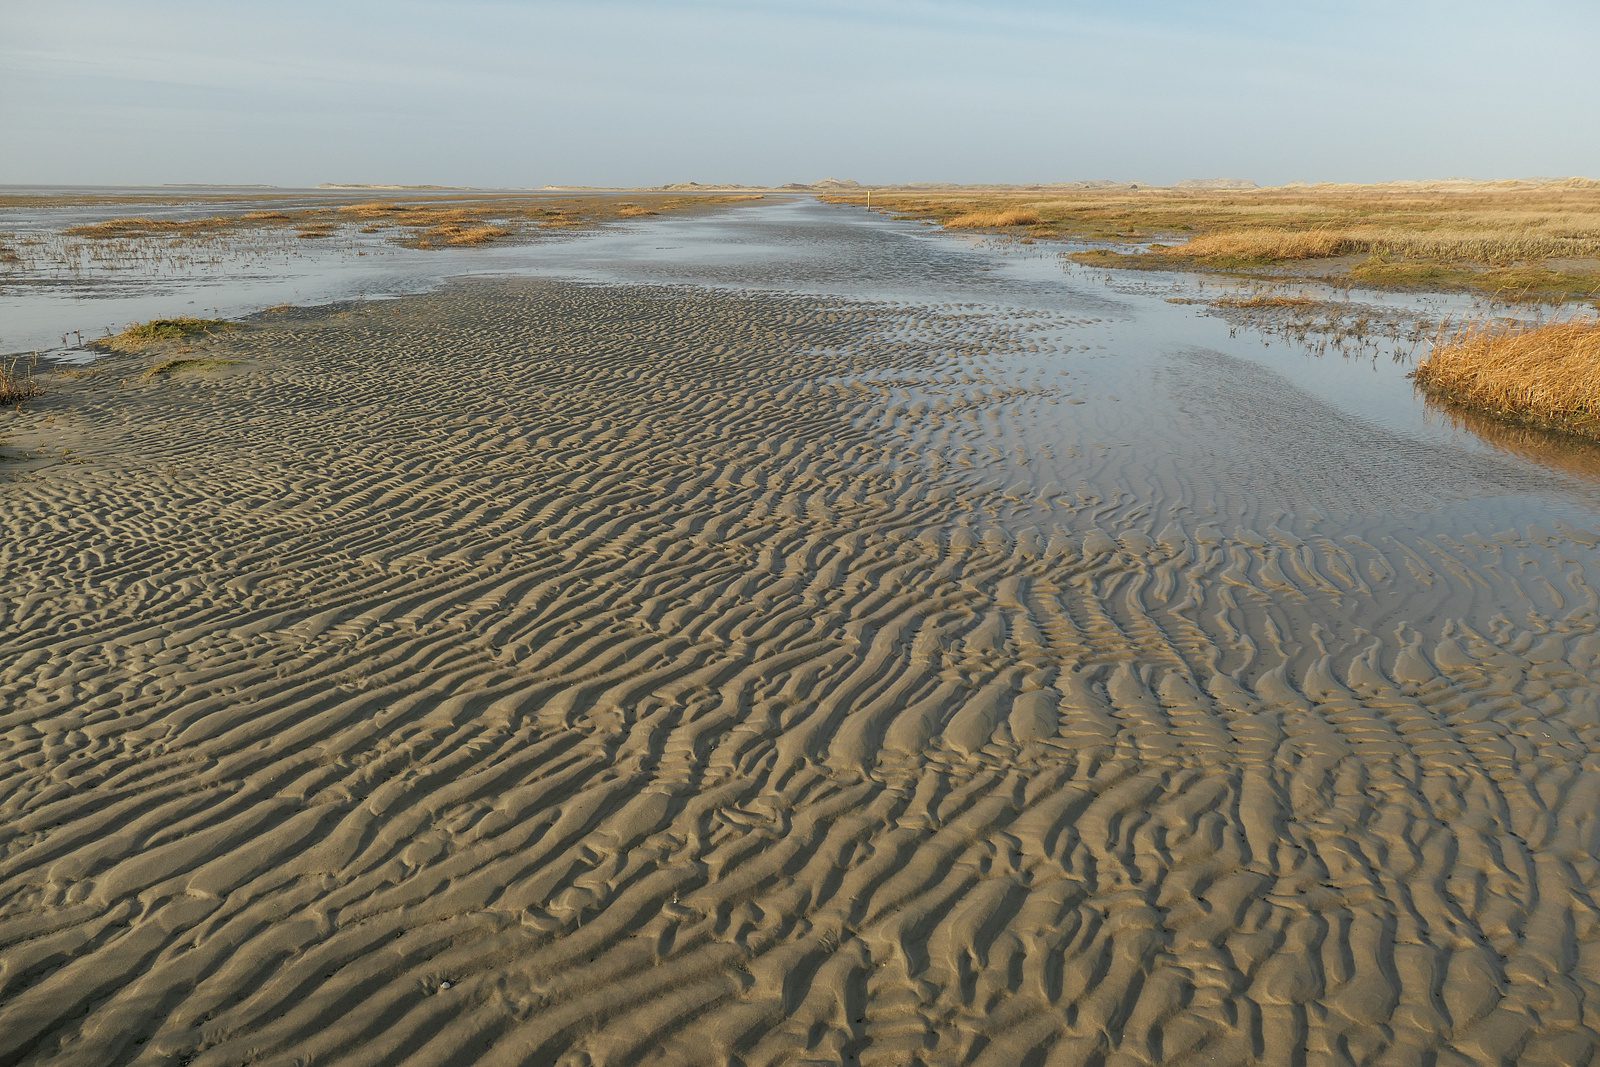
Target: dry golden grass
[1544, 375]
[145, 227]
[1276, 245]
[418, 215]
[474, 235]
[555, 220]
[17, 381]
[1273, 244]
[1527, 239]
[148, 335]
[976, 220]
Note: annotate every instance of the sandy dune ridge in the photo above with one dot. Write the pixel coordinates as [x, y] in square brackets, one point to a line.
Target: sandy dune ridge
[538, 672]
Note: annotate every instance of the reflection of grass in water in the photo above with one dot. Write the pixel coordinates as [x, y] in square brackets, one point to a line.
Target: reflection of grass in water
[1542, 375]
[1550, 448]
[1322, 326]
[147, 335]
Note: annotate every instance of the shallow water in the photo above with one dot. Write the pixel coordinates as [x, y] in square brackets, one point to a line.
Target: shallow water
[73, 291]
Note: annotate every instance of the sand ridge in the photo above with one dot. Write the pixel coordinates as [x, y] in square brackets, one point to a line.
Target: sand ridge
[539, 672]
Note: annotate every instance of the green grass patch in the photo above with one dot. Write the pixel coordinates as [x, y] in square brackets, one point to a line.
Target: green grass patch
[1529, 283]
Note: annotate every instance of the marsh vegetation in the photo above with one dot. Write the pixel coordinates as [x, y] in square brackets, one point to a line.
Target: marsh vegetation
[149, 240]
[1509, 241]
[1544, 375]
[148, 335]
[18, 380]
[1524, 240]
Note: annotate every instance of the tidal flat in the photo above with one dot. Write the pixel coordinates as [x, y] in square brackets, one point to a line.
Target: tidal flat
[786, 634]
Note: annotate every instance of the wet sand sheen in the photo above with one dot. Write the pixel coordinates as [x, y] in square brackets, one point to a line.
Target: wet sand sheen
[539, 672]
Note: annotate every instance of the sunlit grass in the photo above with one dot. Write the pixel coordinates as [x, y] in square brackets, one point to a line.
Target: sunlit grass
[146, 227]
[147, 335]
[17, 381]
[1535, 240]
[974, 220]
[1546, 375]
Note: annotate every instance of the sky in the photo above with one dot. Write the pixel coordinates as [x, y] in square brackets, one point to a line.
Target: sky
[502, 93]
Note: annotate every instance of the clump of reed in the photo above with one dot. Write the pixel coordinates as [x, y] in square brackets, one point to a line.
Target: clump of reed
[146, 227]
[441, 226]
[1545, 375]
[147, 335]
[17, 380]
[460, 234]
[986, 220]
[1266, 245]
[401, 214]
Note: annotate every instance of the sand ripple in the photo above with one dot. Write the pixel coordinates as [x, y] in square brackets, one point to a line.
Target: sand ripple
[551, 673]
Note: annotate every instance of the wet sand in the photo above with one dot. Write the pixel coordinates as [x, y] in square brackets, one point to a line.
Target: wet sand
[861, 651]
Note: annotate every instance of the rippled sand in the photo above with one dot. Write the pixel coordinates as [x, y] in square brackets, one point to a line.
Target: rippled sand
[543, 672]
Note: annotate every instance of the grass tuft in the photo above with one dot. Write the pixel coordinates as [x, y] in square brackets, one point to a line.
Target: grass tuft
[147, 335]
[1542, 375]
[460, 234]
[17, 382]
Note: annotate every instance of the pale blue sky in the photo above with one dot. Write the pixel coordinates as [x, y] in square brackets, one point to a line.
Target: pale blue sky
[500, 92]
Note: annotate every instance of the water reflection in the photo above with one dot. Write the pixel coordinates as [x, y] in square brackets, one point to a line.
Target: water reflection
[1552, 449]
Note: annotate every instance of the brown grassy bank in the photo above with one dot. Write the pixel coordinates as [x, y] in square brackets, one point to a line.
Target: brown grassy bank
[1545, 376]
[1537, 240]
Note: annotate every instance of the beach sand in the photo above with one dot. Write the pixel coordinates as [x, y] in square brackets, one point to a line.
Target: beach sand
[540, 672]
